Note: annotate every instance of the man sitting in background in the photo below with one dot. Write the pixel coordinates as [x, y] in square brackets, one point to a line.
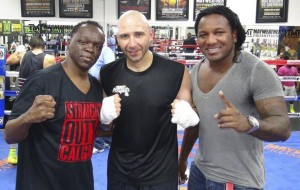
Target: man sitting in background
[190, 41]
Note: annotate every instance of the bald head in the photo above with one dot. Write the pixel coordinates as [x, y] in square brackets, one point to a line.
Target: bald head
[132, 16]
[134, 37]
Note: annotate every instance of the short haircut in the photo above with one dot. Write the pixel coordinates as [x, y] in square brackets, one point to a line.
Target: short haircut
[36, 42]
[233, 20]
[88, 22]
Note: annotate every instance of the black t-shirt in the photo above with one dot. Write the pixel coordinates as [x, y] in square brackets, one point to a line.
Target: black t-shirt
[56, 154]
[144, 148]
[190, 41]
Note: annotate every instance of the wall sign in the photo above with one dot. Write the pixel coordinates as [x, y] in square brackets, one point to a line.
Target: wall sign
[11, 27]
[271, 11]
[76, 9]
[38, 8]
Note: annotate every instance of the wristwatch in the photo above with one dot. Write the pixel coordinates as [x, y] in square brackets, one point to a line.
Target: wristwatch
[254, 123]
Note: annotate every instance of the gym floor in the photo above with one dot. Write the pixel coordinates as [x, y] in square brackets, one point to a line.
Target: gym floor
[282, 164]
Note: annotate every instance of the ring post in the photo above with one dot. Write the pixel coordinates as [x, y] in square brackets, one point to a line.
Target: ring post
[2, 83]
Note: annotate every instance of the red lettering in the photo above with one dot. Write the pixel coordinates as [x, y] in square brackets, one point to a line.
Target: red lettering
[62, 155]
[75, 153]
[69, 111]
[68, 132]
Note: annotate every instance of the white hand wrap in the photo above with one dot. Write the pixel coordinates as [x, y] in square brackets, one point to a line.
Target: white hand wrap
[20, 49]
[108, 111]
[184, 115]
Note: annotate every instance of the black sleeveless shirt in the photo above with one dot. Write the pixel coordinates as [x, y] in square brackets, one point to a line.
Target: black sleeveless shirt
[30, 63]
[144, 147]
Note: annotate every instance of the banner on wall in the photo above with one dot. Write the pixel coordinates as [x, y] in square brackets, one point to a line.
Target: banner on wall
[289, 41]
[262, 41]
[11, 27]
[49, 29]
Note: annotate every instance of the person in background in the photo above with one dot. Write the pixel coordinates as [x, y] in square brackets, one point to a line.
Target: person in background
[56, 116]
[14, 60]
[35, 59]
[289, 88]
[16, 57]
[190, 41]
[240, 101]
[106, 56]
[111, 41]
[257, 48]
[155, 95]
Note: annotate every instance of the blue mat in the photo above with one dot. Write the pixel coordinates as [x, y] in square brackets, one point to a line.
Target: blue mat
[282, 165]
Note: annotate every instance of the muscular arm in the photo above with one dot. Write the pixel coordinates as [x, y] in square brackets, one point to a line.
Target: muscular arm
[190, 133]
[189, 138]
[274, 121]
[15, 58]
[43, 108]
[17, 129]
[185, 91]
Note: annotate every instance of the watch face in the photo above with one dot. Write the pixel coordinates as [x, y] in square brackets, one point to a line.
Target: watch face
[253, 121]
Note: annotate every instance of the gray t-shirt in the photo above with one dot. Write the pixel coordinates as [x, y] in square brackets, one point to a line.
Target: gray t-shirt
[225, 155]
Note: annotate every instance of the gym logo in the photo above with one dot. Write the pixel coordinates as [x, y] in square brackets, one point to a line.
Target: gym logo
[79, 131]
[121, 89]
[1, 54]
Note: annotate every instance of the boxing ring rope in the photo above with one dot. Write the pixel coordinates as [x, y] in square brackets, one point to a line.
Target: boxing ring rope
[290, 78]
[12, 73]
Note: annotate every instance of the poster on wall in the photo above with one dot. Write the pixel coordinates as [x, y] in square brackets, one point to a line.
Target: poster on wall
[172, 10]
[199, 5]
[271, 11]
[143, 6]
[38, 8]
[262, 41]
[76, 8]
[289, 41]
